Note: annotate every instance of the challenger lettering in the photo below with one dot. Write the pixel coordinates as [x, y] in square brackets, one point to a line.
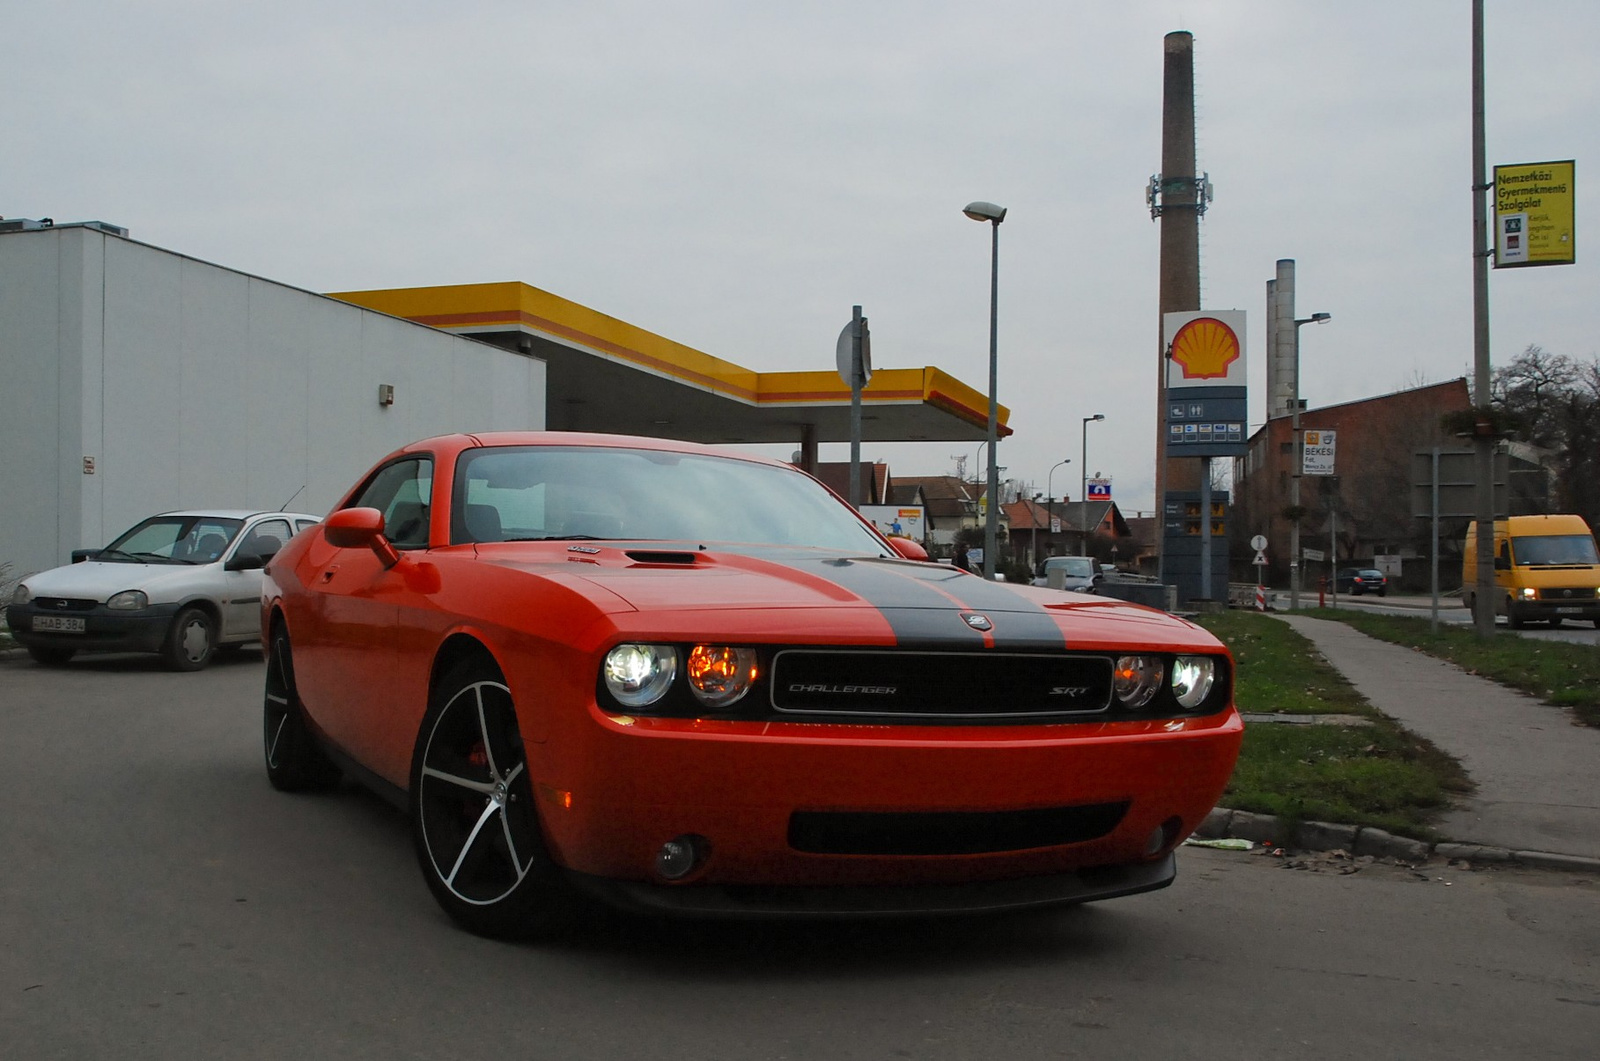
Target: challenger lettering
[845, 690]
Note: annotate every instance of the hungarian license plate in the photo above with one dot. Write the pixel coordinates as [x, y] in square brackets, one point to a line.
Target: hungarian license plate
[60, 624]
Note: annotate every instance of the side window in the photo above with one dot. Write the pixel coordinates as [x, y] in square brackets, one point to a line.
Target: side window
[265, 538]
[402, 491]
[302, 524]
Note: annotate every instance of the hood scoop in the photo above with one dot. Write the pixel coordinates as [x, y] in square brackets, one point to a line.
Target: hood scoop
[675, 558]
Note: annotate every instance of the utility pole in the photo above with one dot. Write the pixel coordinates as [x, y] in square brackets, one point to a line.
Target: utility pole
[1482, 438]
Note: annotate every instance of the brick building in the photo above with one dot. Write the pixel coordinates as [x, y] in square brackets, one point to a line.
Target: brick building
[1371, 494]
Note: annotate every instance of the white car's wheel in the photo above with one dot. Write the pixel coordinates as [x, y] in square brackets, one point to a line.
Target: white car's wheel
[191, 641]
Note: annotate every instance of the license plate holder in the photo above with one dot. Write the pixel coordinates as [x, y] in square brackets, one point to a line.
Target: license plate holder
[59, 624]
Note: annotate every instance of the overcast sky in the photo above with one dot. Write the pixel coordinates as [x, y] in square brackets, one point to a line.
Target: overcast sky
[735, 176]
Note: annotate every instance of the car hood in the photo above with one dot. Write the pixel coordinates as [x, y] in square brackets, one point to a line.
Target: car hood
[97, 580]
[921, 602]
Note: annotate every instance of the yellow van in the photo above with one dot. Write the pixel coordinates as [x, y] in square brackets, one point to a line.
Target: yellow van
[1545, 568]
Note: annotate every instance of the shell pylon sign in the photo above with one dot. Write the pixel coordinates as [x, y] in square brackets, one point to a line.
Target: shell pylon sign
[1205, 409]
[1204, 348]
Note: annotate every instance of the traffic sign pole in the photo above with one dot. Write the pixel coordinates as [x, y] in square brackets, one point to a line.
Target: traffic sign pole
[1259, 544]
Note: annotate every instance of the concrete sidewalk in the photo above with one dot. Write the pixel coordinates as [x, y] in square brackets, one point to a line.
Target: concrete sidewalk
[1537, 771]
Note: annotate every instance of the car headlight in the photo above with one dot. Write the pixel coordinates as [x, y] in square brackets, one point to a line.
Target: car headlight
[128, 600]
[1136, 679]
[1529, 593]
[639, 675]
[22, 594]
[1192, 677]
[720, 674]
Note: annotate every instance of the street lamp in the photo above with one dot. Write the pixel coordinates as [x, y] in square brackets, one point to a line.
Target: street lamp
[981, 211]
[1083, 485]
[1299, 464]
[1050, 485]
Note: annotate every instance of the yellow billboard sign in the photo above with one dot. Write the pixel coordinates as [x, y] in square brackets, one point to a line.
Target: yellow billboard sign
[1533, 215]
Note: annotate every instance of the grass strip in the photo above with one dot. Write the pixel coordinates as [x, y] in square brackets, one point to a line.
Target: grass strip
[1558, 672]
[1379, 775]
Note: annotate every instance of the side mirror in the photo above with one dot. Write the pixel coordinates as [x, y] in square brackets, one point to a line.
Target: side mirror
[1500, 564]
[80, 555]
[909, 549]
[352, 528]
[245, 560]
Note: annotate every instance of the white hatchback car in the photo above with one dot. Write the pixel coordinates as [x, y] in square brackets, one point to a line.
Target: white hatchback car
[183, 584]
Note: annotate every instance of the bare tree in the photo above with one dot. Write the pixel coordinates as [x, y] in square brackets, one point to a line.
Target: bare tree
[1553, 401]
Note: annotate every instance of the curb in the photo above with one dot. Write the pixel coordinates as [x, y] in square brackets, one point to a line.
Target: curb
[1269, 831]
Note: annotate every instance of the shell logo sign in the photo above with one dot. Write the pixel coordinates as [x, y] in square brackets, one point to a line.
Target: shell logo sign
[1204, 348]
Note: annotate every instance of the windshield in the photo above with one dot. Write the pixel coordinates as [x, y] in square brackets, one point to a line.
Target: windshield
[1545, 550]
[541, 493]
[173, 540]
[1080, 566]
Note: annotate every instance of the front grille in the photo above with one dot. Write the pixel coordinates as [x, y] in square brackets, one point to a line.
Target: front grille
[64, 604]
[938, 685]
[949, 832]
[1568, 593]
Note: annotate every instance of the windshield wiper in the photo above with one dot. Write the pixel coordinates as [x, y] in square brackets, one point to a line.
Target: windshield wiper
[103, 553]
[561, 538]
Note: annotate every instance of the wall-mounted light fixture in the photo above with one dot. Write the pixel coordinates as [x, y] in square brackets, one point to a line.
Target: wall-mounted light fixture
[385, 394]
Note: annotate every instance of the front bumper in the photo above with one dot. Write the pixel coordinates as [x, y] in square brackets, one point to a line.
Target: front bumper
[1555, 608]
[926, 900]
[104, 630]
[611, 792]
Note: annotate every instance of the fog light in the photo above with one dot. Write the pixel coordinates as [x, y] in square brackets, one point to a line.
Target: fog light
[1162, 837]
[679, 857]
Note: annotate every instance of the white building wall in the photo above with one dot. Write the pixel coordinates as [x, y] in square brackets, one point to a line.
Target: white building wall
[192, 385]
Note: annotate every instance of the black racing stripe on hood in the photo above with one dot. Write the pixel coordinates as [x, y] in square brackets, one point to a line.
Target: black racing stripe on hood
[923, 603]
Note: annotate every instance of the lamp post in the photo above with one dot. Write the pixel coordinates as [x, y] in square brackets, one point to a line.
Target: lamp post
[1083, 485]
[981, 211]
[1299, 464]
[1050, 485]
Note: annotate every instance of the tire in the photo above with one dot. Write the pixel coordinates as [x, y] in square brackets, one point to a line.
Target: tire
[1383, 592]
[476, 829]
[50, 656]
[294, 762]
[1555, 622]
[192, 641]
[1514, 617]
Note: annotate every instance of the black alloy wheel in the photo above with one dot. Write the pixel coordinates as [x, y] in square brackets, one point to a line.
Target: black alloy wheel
[294, 762]
[191, 641]
[473, 818]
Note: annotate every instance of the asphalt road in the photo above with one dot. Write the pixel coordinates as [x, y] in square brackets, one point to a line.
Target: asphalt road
[159, 900]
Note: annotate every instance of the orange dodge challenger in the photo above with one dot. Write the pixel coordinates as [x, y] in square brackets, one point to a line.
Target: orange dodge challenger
[685, 681]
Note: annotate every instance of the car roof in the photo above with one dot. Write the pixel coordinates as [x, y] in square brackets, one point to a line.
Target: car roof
[495, 439]
[233, 513]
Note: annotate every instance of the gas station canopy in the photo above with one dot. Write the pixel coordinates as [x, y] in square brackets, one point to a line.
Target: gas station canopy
[603, 374]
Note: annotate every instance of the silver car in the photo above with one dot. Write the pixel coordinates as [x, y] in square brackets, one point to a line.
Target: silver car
[183, 584]
[1079, 573]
